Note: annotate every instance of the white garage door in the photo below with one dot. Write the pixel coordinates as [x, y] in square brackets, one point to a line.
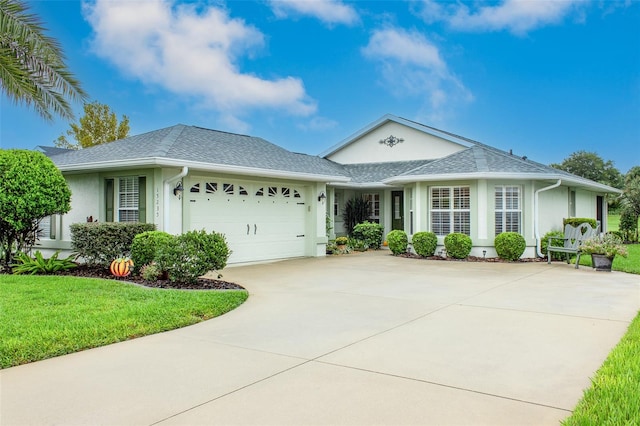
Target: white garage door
[260, 221]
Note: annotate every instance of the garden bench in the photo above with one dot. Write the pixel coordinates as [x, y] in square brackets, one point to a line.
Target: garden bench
[573, 239]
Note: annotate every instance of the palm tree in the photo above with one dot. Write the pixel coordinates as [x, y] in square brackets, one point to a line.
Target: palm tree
[32, 69]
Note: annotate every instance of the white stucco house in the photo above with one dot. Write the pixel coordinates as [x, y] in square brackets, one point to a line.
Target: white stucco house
[272, 203]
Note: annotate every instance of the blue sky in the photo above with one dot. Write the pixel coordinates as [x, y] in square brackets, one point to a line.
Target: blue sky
[544, 78]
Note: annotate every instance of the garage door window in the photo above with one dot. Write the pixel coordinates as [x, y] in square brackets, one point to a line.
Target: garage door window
[195, 188]
[211, 187]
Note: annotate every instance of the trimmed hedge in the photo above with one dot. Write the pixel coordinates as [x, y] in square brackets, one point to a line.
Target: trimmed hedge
[575, 221]
[510, 245]
[458, 245]
[99, 243]
[425, 243]
[544, 242]
[193, 254]
[145, 246]
[369, 232]
[398, 241]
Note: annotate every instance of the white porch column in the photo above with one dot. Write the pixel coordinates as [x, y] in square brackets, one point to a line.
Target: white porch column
[419, 211]
[482, 209]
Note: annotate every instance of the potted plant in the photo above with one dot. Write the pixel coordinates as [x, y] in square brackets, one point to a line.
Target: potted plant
[341, 242]
[603, 248]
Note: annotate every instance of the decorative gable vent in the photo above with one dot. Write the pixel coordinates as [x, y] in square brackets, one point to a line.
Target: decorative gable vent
[391, 141]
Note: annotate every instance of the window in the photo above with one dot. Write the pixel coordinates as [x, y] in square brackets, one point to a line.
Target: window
[450, 210]
[211, 187]
[128, 199]
[374, 200]
[47, 228]
[508, 209]
[195, 188]
[125, 199]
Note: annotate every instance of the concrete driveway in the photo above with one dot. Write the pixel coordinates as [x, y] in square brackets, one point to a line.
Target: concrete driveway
[360, 339]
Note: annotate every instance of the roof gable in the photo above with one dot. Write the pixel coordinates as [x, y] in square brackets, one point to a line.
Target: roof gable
[394, 139]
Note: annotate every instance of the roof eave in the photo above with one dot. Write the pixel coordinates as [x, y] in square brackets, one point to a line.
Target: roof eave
[575, 180]
[195, 165]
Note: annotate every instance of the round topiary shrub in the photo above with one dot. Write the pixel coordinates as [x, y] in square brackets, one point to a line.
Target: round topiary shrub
[458, 245]
[398, 241]
[369, 232]
[556, 242]
[510, 245]
[193, 254]
[425, 243]
[145, 246]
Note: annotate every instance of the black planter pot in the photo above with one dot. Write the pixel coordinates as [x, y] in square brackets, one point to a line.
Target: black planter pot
[601, 262]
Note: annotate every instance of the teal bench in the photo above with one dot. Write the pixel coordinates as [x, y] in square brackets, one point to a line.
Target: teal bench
[573, 239]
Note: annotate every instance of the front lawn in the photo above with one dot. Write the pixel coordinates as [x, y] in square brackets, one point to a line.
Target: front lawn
[46, 316]
[613, 398]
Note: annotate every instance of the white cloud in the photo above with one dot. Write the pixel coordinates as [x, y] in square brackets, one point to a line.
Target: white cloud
[191, 52]
[328, 11]
[411, 66]
[318, 124]
[516, 16]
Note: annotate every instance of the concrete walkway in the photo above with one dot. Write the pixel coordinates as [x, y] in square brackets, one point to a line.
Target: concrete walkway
[360, 339]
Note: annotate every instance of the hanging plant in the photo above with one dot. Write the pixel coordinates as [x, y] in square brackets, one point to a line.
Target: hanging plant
[121, 267]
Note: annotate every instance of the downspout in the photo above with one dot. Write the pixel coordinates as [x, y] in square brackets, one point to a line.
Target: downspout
[167, 194]
[536, 219]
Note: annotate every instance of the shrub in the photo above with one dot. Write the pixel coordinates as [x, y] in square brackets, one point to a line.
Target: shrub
[425, 243]
[358, 245]
[31, 188]
[341, 241]
[628, 224]
[145, 246]
[398, 241]
[356, 210]
[151, 272]
[40, 265]
[369, 232]
[556, 242]
[510, 245]
[458, 245]
[193, 254]
[575, 221]
[99, 243]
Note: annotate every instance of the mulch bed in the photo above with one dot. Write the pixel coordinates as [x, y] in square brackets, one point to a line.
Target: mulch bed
[202, 283]
[475, 259]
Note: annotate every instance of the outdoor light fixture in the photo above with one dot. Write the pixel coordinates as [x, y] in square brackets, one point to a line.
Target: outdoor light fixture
[484, 254]
[322, 197]
[177, 191]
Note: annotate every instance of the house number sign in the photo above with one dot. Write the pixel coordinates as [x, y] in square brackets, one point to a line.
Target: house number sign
[391, 141]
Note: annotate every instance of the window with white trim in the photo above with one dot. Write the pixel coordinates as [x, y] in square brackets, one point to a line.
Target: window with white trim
[450, 210]
[508, 208]
[128, 197]
[374, 201]
[47, 228]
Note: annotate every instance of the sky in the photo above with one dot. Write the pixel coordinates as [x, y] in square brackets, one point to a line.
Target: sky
[542, 78]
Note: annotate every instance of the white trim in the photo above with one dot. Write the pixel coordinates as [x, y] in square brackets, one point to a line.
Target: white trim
[536, 225]
[392, 118]
[585, 183]
[196, 165]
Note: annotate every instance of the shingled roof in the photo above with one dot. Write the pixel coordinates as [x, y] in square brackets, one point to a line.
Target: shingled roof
[192, 145]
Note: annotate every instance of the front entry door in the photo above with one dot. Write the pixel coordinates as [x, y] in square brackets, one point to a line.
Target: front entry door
[599, 211]
[397, 210]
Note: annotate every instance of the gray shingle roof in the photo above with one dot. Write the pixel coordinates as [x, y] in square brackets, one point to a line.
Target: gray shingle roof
[377, 172]
[478, 159]
[196, 144]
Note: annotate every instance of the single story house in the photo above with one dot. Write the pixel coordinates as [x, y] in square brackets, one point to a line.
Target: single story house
[272, 203]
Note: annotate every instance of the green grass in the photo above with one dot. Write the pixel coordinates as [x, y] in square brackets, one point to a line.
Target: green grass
[613, 222]
[613, 398]
[46, 316]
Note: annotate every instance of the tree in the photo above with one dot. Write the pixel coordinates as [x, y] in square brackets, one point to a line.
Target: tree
[98, 125]
[31, 188]
[32, 68]
[590, 165]
[633, 173]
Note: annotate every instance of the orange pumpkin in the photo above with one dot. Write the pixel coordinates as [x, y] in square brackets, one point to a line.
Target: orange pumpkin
[121, 267]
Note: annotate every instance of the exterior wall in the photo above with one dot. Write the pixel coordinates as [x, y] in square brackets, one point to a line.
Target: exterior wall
[553, 208]
[417, 145]
[586, 204]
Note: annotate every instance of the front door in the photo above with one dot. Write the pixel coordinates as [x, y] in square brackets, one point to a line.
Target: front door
[397, 208]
